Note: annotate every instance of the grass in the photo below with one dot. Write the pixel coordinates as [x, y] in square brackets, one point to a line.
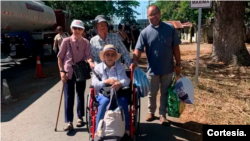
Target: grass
[222, 96]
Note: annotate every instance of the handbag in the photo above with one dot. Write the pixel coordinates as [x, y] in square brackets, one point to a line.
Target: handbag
[113, 124]
[81, 69]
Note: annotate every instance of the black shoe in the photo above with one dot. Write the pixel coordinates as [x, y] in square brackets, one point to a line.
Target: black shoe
[126, 137]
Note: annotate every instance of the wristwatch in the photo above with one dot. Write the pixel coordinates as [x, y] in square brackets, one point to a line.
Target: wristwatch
[63, 71]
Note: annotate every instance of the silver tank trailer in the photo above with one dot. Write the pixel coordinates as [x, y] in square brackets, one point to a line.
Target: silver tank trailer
[26, 16]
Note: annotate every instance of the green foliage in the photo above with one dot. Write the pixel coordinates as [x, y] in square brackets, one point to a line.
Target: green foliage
[247, 12]
[84, 10]
[180, 10]
[125, 11]
[88, 10]
[168, 9]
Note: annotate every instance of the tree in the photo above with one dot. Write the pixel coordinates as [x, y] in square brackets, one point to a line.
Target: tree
[247, 12]
[180, 10]
[126, 12]
[247, 21]
[85, 10]
[228, 33]
[168, 9]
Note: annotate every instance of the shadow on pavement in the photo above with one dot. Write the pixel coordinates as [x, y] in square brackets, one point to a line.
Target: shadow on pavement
[190, 131]
[25, 87]
[73, 132]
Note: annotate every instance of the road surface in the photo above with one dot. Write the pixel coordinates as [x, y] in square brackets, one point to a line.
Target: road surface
[33, 116]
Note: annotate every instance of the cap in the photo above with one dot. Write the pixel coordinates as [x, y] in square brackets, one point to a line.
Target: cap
[77, 23]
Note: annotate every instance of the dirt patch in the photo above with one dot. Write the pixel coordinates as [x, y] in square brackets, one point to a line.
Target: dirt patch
[223, 93]
[188, 51]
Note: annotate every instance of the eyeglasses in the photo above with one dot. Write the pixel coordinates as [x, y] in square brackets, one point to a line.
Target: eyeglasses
[103, 24]
[110, 54]
[77, 28]
[153, 15]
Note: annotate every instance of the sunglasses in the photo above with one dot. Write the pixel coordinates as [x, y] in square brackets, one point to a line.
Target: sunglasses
[110, 54]
[77, 28]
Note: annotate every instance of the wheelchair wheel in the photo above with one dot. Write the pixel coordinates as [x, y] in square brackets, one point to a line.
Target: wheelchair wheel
[88, 116]
[137, 116]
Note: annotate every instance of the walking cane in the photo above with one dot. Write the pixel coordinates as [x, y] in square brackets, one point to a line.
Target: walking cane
[59, 107]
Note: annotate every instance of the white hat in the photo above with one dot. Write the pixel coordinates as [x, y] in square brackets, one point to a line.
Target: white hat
[100, 18]
[107, 48]
[77, 23]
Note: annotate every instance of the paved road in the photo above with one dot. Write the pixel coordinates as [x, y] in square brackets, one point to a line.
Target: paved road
[33, 118]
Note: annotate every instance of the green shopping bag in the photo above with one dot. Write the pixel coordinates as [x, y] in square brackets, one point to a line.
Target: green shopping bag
[174, 105]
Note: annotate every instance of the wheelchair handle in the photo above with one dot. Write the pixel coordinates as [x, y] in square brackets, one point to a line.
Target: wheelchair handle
[125, 88]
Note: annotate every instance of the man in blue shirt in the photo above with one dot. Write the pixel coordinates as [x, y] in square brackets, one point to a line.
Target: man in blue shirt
[162, 44]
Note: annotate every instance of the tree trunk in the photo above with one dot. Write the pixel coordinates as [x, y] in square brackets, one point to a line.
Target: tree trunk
[190, 35]
[228, 33]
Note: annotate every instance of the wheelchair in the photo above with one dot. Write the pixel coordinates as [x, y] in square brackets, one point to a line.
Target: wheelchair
[134, 104]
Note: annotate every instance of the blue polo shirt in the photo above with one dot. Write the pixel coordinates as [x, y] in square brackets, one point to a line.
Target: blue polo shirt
[159, 42]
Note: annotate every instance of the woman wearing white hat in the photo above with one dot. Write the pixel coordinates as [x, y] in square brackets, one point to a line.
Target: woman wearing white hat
[111, 73]
[73, 49]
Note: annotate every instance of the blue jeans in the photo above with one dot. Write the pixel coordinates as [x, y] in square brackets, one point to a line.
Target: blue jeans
[103, 103]
[69, 98]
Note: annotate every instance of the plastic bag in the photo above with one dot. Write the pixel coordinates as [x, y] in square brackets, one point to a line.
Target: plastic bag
[141, 81]
[179, 94]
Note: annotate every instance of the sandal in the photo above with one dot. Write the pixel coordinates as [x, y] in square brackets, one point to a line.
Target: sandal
[80, 123]
[69, 127]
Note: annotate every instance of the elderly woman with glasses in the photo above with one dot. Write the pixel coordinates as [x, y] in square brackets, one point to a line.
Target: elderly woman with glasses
[74, 48]
[112, 74]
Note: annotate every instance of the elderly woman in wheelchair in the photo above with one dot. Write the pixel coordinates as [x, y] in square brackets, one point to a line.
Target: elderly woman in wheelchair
[108, 75]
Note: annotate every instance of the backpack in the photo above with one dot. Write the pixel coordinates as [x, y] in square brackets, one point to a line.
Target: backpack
[113, 124]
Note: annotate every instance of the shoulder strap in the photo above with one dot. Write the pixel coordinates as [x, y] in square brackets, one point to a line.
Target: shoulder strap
[71, 52]
[112, 94]
[121, 35]
[97, 75]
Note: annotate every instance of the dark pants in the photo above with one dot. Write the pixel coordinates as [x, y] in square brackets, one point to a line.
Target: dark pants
[127, 45]
[134, 44]
[6, 49]
[69, 98]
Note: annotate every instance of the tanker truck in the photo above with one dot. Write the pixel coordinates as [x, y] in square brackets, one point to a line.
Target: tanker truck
[30, 27]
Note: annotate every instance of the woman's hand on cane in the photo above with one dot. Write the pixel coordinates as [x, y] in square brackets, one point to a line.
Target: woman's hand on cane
[63, 77]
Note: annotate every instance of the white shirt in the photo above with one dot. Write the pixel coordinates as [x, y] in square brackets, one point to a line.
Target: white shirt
[116, 72]
[59, 38]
